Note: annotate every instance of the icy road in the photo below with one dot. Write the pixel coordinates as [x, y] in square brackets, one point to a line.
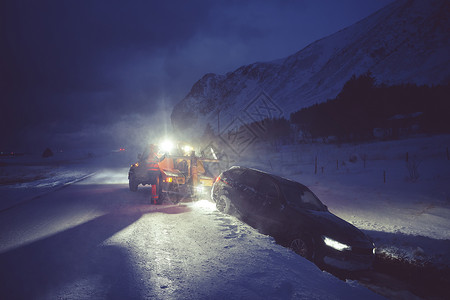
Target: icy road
[94, 240]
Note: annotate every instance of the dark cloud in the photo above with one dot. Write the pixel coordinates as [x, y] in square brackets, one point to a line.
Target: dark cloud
[64, 44]
[75, 67]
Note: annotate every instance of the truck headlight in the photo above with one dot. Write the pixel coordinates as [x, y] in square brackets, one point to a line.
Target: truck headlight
[187, 149]
[167, 146]
[335, 244]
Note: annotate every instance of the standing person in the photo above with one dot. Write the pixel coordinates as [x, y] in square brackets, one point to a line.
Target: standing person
[154, 172]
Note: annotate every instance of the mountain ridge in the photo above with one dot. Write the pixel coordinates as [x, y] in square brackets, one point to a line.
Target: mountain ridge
[405, 42]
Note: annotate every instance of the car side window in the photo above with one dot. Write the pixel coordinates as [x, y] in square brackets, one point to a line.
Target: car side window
[249, 179]
[299, 197]
[232, 175]
[267, 187]
[308, 198]
[268, 193]
[235, 173]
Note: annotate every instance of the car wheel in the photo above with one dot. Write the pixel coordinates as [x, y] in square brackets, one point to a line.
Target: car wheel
[224, 205]
[302, 246]
[133, 184]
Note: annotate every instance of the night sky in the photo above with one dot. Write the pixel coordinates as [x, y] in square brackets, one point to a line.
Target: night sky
[105, 73]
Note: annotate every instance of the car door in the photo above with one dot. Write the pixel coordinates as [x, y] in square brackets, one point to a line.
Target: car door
[268, 207]
[230, 183]
[246, 193]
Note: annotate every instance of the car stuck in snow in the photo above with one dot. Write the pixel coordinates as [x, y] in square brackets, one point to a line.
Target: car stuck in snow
[294, 216]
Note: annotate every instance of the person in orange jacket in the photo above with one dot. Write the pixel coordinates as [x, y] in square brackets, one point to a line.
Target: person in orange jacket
[146, 171]
[152, 166]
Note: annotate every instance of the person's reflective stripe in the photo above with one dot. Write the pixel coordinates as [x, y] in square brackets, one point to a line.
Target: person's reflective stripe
[154, 194]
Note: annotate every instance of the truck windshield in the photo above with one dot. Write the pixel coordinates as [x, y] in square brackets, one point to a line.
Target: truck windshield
[299, 197]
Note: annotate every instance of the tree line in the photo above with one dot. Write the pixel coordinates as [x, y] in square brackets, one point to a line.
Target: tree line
[364, 110]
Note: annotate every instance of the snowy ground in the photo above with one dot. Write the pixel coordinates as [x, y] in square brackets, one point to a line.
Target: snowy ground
[95, 239]
[23, 178]
[408, 217]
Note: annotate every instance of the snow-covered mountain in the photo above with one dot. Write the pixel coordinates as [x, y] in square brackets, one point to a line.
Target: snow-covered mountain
[407, 41]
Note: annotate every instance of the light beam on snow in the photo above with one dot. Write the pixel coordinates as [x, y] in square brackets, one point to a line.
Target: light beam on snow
[108, 176]
[204, 205]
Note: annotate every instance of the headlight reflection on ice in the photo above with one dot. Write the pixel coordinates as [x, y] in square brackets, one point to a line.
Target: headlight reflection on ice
[108, 176]
[204, 205]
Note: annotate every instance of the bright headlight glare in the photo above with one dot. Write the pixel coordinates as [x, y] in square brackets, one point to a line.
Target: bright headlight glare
[187, 149]
[166, 146]
[335, 244]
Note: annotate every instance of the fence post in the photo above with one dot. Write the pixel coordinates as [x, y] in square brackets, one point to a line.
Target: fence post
[315, 165]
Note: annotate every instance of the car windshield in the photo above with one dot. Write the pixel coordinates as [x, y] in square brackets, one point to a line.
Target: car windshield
[299, 197]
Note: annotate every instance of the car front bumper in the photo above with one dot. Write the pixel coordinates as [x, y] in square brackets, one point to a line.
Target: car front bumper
[355, 263]
[348, 260]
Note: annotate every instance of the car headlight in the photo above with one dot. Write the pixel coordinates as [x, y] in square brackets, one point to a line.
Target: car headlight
[335, 244]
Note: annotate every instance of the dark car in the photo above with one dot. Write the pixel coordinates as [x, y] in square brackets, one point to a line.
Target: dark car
[294, 216]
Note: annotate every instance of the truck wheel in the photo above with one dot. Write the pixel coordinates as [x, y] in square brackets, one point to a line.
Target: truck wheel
[178, 199]
[161, 195]
[133, 185]
[161, 198]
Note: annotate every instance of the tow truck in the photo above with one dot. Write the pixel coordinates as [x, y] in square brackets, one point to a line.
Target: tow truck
[182, 175]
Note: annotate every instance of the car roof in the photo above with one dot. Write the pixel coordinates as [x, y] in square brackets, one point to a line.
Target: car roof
[273, 176]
